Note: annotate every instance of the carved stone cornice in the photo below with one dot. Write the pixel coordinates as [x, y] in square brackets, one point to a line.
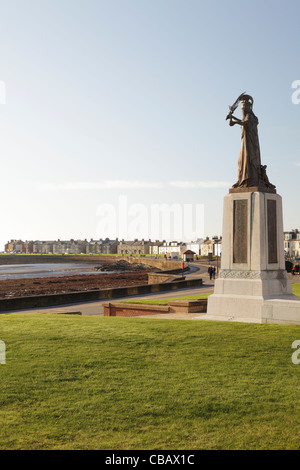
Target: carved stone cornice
[235, 274]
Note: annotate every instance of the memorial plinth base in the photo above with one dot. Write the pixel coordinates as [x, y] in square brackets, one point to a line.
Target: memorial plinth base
[283, 309]
[253, 285]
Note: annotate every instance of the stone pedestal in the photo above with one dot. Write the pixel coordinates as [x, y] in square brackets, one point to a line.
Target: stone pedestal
[253, 284]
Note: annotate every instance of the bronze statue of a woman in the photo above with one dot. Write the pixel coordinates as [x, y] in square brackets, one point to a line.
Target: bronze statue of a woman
[251, 173]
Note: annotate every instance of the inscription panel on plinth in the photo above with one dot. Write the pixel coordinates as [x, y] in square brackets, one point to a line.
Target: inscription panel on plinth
[240, 231]
[272, 231]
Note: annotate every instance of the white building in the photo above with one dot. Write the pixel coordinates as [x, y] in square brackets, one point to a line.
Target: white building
[172, 249]
[154, 247]
[207, 247]
[217, 249]
[212, 246]
[292, 243]
[195, 246]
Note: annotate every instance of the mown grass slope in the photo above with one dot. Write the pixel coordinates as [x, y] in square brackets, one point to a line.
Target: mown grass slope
[75, 382]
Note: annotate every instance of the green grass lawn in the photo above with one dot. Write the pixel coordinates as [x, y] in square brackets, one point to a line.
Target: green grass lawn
[296, 289]
[163, 301]
[76, 382]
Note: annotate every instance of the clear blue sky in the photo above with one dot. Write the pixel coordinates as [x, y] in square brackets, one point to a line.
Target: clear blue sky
[122, 98]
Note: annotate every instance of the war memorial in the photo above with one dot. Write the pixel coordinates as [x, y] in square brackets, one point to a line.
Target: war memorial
[253, 285]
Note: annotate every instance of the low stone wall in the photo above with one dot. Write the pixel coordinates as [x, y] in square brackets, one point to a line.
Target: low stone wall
[163, 264]
[132, 310]
[171, 275]
[30, 302]
[188, 306]
[120, 309]
[154, 278]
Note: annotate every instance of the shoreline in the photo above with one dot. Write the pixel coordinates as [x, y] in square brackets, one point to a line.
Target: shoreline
[43, 270]
[43, 283]
[68, 284]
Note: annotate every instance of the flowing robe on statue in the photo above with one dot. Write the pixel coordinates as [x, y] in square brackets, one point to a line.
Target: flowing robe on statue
[249, 162]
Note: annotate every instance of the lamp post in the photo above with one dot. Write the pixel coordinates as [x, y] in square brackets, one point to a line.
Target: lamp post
[218, 262]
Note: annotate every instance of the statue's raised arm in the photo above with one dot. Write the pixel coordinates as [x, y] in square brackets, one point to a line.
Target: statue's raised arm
[251, 173]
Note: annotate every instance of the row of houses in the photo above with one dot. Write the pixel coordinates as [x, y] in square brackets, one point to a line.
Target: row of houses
[170, 249]
[200, 247]
[62, 247]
